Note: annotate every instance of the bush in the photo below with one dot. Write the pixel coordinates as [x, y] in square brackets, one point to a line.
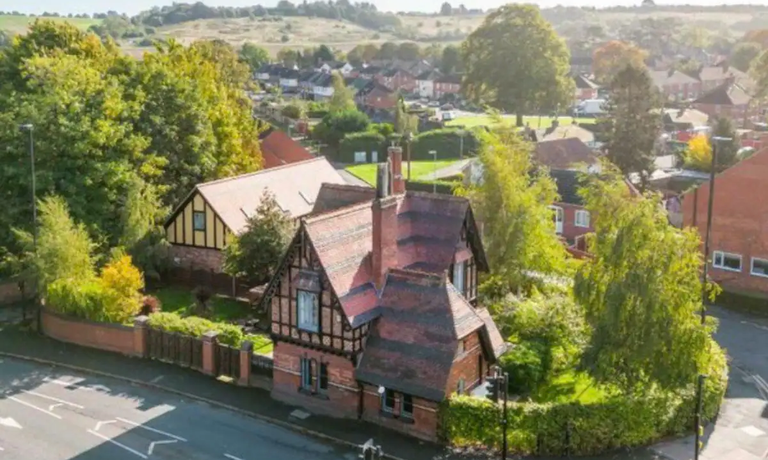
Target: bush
[81, 300]
[122, 284]
[367, 142]
[446, 142]
[229, 334]
[150, 305]
[620, 421]
[437, 186]
[294, 110]
[529, 364]
[336, 125]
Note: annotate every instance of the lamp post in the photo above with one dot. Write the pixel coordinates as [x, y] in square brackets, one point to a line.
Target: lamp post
[461, 144]
[434, 170]
[31, 128]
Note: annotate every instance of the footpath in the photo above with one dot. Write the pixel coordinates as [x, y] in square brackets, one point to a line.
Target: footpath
[254, 402]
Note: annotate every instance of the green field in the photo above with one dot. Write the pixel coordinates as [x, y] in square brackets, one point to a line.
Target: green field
[534, 122]
[19, 24]
[367, 172]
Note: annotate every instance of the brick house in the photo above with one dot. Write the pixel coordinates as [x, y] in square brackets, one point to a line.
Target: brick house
[397, 79]
[571, 219]
[204, 222]
[426, 83]
[278, 148]
[676, 85]
[739, 241]
[376, 96]
[729, 100]
[374, 306]
[716, 75]
[585, 88]
[447, 84]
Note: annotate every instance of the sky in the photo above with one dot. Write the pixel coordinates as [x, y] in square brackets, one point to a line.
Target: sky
[132, 7]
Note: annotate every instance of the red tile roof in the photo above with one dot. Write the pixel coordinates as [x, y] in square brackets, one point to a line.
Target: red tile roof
[277, 148]
[564, 153]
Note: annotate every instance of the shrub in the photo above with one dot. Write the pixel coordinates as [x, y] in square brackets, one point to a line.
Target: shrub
[122, 284]
[285, 38]
[294, 110]
[446, 142]
[229, 334]
[336, 125]
[529, 364]
[438, 186]
[150, 305]
[367, 141]
[81, 300]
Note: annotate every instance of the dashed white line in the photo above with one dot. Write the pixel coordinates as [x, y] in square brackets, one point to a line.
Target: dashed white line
[232, 457]
[51, 398]
[110, 440]
[152, 444]
[178, 438]
[13, 398]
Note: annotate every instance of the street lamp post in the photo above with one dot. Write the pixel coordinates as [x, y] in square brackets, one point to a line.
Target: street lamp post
[434, 170]
[31, 128]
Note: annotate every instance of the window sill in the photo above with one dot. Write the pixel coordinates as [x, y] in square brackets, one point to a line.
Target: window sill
[727, 269]
[759, 275]
[308, 392]
[309, 330]
[581, 226]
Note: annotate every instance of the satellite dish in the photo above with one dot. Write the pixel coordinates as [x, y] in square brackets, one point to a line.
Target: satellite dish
[381, 390]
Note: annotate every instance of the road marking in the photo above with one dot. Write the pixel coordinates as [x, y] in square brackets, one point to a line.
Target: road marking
[54, 406]
[152, 444]
[232, 457]
[77, 385]
[156, 379]
[178, 438]
[110, 440]
[105, 422]
[759, 326]
[51, 398]
[9, 422]
[34, 407]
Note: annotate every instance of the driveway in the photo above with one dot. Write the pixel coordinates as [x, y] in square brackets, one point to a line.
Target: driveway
[50, 415]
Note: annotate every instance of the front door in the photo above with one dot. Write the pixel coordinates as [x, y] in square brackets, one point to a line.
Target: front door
[558, 216]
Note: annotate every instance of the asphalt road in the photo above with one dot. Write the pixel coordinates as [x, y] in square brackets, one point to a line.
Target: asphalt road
[50, 415]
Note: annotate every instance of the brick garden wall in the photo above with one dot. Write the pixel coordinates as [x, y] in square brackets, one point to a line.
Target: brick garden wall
[110, 337]
[9, 292]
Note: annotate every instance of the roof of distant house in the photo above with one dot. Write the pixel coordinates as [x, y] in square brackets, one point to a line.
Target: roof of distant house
[454, 78]
[430, 74]
[564, 153]
[686, 116]
[583, 82]
[295, 187]
[728, 93]
[565, 131]
[671, 77]
[278, 148]
[721, 72]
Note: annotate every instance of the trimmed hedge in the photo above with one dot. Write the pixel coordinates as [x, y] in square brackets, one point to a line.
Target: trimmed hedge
[443, 187]
[367, 142]
[446, 142]
[229, 334]
[620, 421]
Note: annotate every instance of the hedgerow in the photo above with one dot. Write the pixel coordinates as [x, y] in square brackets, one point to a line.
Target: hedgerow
[229, 334]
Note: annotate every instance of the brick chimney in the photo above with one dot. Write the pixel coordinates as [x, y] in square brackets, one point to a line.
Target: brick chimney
[396, 163]
[384, 244]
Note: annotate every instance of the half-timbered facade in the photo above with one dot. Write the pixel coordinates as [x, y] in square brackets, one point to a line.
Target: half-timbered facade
[374, 306]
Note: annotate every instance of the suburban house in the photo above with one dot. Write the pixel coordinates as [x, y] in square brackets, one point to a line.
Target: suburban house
[397, 79]
[585, 88]
[367, 71]
[684, 119]
[564, 131]
[374, 306]
[716, 75]
[278, 148]
[425, 83]
[447, 84]
[344, 67]
[566, 153]
[729, 100]
[676, 85]
[581, 62]
[376, 96]
[572, 221]
[204, 222]
[739, 239]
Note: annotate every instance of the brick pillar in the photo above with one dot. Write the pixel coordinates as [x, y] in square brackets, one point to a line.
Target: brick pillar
[210, 343]
[246, 350]
[140, 325]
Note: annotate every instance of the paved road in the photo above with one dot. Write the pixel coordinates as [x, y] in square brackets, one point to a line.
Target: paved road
[51, 415]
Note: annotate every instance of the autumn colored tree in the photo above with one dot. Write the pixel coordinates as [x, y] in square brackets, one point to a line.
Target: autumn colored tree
[516, 62]
[614, 56]
[698, 155]
[757, 36]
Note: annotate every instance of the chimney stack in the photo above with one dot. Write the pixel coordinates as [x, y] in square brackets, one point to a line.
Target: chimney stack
[384, 231]
[396, 162]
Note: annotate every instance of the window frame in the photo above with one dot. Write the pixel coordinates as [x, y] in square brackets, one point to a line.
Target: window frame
[460, 270]
[752, 267]
[558, 212]
[195, 227]
[364, 157]
[385, 398]
[315, 313]
[462, 347]
[407, 400]
[581, 212]
[722, 266]
[461, 386]
[305, 374]
[322, 380]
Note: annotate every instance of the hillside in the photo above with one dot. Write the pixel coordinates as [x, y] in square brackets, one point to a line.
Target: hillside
[19, 24]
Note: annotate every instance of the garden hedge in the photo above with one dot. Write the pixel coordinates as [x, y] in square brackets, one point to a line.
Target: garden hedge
[446, 142]
[620, 421]
[367, 142]
[229, 334]
[443, 187]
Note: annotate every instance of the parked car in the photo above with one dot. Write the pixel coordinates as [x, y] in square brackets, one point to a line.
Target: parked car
[447, 107]
[433, 104]
[589, 108]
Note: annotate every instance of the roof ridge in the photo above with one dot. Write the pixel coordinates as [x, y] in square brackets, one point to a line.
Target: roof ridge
[338, 212]
[348, 186]
[261, 171]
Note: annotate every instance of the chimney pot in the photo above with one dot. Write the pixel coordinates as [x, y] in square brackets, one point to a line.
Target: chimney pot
[395, 161]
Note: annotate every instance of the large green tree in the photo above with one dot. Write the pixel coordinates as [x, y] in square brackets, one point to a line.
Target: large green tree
[744, 53]
[512, 203]
[641, 292]
[516, 62]
[633, 122]
[343, 98]
[253, 55]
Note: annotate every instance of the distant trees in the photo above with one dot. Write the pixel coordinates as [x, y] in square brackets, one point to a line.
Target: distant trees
[446, 9]
[614, 56]
[698, 155]
[409, 51]
[451, 59]
[744, 53]
[253, 55]
[343, 98]
[335, 125]
[516, 44]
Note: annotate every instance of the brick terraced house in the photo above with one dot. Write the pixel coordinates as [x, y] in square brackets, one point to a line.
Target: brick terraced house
[374, 307]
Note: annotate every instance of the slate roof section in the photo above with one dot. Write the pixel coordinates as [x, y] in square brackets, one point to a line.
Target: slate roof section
[455, 79]
[564, 153]
[415, 340]
[583, 82]
[278, 148]
[674, 77]
[335, 196]
[728, 93]
[295, 187]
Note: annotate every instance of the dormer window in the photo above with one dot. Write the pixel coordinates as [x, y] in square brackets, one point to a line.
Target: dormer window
[458, 276]
[308, 309]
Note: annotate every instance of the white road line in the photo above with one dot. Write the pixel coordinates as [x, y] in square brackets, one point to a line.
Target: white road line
[179, 438]
[51, 398]
[34, 407]
[232, 457]
[152, 444]
[105, 422]
[110, 440]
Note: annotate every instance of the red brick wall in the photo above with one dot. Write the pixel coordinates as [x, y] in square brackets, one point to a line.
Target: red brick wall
[570, 230]
[110, 337]
[423, 424]
[468, 365]
[343, 394]
[740, 220]
[197, 258]
[9, 292]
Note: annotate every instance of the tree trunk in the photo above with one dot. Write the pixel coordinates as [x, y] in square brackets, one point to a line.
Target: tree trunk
[519, 120]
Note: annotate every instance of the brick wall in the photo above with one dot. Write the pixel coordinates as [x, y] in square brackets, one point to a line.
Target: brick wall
[197, 258]
[110, 337]
[342, 397]
[740, 220]
[9, 292]
[470, 365]
[423, 425]
[570, 230]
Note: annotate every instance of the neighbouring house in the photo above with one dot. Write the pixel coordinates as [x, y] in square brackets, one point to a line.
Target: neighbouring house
[344, 67]
[729, 100]
[397, 79]
[288, 79]
[684, 119]
[376, 96]
[564, 131]
[676, 85]
[278, 148]
[426, 83]
[571, 220]
[374, 307]
[585, 88]
[566, 153]
[367, 71]
[739, 238]
[322, 86]
[447, 84]
[204, 222]
[716, 75]
[581, 63]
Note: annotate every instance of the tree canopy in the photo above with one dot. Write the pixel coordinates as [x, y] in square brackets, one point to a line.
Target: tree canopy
[253, 55]
[516, 62]
[614, 56]
[698, 155]
[744, 53]
[343, 97]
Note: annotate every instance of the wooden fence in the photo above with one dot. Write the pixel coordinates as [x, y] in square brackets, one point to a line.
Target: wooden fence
[170, 347]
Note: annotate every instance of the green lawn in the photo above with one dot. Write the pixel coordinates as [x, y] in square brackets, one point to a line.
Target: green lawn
[570, 386]
[367, 172]
[535, 122]
[19, 24]
[176, 300]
